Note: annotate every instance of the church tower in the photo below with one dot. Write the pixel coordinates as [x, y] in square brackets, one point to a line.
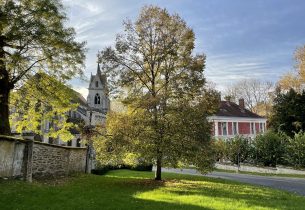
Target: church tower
[98, 92]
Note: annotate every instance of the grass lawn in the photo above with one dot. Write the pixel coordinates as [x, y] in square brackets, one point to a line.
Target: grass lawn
[124, 189]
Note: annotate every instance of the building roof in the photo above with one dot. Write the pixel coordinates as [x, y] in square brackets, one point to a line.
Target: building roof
[231, 109]
[79, 98]
[99, 74]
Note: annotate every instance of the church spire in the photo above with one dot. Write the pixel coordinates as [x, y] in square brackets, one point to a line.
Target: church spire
[98, 69]
[98, 72]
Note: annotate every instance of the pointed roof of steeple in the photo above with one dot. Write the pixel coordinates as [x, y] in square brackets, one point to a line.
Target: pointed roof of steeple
[100, 75]
[98, 72]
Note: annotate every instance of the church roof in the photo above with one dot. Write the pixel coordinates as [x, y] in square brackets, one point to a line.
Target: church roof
[76, 96]
[79, 98]
[101, 76]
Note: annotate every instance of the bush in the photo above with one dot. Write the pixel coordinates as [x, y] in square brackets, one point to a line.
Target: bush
[103, 169]
[270, 148]
[142, 167]
[295, 150]
[238, 149]
[220, 148]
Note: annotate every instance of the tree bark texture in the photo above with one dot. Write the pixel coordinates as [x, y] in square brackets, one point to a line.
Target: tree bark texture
[4, 93]
[158, 171]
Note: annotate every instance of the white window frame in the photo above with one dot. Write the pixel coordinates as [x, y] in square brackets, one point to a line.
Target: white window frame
[233, 133]
[252, 128]
[224, 125]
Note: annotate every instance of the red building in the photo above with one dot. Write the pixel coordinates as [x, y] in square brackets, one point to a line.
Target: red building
[233, 119]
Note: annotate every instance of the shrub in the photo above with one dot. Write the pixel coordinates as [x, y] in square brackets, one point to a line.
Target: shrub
[146, 167]
[103, 169]
[238, 149]
[220, 148]
[270, 148]
[295, 150]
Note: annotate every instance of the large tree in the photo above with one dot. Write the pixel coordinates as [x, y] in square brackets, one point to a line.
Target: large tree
[288, 113]
[296, 78]
[256, 93]
[33, 37]
[162, 85]
[41, 106]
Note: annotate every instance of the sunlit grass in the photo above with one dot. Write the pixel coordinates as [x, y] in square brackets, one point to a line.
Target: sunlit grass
[124, 189]
[207, 194]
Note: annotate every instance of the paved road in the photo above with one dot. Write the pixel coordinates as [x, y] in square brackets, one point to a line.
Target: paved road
[296, 185]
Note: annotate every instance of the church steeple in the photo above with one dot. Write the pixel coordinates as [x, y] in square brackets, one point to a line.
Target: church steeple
[98, 91]
[98, 72]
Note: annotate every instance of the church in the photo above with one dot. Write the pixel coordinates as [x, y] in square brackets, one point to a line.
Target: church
[98, 102]
[91, 111]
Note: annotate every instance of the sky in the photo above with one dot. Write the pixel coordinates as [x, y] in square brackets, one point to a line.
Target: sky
[242, 39]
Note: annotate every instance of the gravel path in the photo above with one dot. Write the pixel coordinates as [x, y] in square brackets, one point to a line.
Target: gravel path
[296, 185]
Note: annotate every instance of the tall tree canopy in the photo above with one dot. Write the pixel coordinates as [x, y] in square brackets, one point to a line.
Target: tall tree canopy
[33, 38]
[41, 106]
[288, 114]
[295, 79]
[163, 87]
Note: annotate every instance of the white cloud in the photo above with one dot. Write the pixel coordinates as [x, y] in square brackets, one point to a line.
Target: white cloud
[224, 39]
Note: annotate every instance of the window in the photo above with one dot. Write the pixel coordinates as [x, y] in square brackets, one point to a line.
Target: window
[261, 127]
[224, 128]
[96, 84]
[97, 99]
[252, 127]
[234, 128]
[78, 143]
[51, 140]
[46, 125]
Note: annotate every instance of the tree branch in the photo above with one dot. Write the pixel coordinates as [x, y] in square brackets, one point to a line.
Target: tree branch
[17, 78]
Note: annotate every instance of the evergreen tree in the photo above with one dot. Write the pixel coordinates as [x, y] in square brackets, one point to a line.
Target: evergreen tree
[288, 114]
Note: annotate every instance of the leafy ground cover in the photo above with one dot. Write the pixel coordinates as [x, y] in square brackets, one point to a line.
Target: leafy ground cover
[124, 189]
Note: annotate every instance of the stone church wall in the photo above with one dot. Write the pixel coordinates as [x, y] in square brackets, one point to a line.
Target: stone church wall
[25, 158]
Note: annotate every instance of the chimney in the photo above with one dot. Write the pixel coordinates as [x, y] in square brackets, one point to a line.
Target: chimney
[241, 103]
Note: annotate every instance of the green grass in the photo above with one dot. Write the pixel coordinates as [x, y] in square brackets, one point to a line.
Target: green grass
[124, 189]
[262, 174]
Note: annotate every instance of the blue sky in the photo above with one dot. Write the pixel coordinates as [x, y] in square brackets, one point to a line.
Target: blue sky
[241, 38]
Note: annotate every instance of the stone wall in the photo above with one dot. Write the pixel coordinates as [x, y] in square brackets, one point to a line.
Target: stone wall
[11, 156]
[53, 160]
[77, 160]
[26, 158]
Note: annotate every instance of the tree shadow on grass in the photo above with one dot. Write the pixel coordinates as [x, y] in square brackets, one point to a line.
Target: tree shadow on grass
[257, 197]
[128, 190]
[216, 189]
[219, 190]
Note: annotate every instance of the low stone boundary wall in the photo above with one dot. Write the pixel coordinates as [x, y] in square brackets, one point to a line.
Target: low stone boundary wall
[25, 158]
[255, 169]
[11, 156]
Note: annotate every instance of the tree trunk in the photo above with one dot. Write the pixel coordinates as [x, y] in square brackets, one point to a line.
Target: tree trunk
[158, 171]
[4, 111]
[4, 93]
